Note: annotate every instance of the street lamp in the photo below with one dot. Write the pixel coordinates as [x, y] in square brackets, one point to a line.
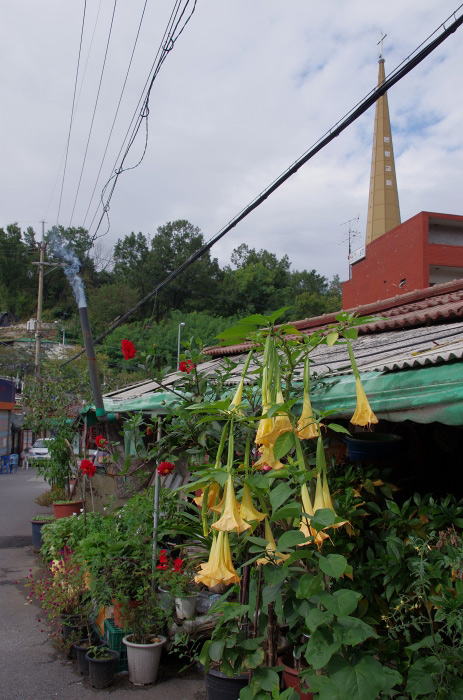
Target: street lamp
[178, 343]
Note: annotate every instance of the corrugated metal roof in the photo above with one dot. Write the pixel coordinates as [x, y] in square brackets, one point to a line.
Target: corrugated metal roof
[432, 305]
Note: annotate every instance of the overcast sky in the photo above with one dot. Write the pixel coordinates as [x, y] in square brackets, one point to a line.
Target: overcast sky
[249, 86]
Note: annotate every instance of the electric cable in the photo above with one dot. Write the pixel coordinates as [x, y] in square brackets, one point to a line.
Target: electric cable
[136, 112]
[76, 105]
[117, 110]
[72, 112]
[403, 69]
[94, 109]
[174, 33]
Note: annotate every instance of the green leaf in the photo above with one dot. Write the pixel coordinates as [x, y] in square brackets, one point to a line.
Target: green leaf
[290, 539]
[351, 333]
[273, 317]
[252, 644]
[333, 565]
[419, 678]
[342, 602]
[204, 655]
[364, 681]
[265, 678]
[291, 510]
[321, 647]
[255, 659]
[309, 585]
[280, 494]
[331, 338]
[317, 617]
[324, 517]
[216, 649]
[352, 631]
[274, 574]
[270, 593]
[283, 444]
[338, 428]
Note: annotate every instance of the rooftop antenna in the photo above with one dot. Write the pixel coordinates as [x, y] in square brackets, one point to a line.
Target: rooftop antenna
[349, 237]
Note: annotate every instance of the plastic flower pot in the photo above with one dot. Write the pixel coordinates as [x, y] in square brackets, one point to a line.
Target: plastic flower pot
[143, 660]
[37, 525]
[166, 601]
[67, 508]
[372, 446]
[101, 670]
[218, 685]
[185, 606]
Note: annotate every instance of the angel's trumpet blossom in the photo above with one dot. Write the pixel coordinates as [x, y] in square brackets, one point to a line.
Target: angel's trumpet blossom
[267, 460]
[363, 414]
[247, 510]
[306, 426]
[271, 548]
[231, 519]
[219, 568]
[211, 496]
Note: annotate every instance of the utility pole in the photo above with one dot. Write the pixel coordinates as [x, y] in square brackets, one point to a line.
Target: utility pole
[38, 330]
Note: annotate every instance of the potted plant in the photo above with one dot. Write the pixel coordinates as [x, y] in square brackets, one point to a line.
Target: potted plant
[37, 522]
[145, 642]
[101, 666]
[176, 584]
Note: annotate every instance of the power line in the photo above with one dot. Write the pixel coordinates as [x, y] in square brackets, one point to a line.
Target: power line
[403, 69]
[175, 28]
[117, 109]
[94, 109]
[72, 112]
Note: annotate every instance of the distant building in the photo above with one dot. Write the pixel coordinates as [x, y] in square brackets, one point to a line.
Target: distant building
[399, 257]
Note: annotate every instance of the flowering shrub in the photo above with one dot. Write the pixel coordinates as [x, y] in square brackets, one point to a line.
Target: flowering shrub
[165, 468]
[128, 349]
[87, 467]
[62, 589]
[174, 575]
[186, 366]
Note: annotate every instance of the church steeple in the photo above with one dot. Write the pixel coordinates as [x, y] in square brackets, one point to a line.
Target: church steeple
[383, 202]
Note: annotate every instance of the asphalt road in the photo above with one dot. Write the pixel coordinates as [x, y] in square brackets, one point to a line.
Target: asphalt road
[30, 668]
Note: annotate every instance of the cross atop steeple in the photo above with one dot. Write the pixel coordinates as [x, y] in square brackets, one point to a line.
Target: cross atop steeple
[380, 43]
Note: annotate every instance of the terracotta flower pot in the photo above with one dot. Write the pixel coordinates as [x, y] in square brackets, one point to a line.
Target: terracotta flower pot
[291, 680]
[122, 611]
[67, 508]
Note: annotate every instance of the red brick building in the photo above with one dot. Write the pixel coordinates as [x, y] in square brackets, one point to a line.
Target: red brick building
[423, 251]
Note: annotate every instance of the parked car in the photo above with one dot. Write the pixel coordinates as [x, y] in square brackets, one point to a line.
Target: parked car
[37, 451]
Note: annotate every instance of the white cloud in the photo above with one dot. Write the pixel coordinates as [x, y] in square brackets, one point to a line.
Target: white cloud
[247, 89]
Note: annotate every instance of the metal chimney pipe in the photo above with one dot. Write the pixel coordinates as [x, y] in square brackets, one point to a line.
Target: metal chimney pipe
[92, 368]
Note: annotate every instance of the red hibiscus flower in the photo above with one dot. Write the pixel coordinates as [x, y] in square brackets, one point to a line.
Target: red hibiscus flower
[165, 468]
[100, 441]
[87, 467]
[186, 366]
[128, 349]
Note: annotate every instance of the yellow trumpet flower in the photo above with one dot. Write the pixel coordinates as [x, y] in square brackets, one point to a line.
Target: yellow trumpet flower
[363, 414]
[267, 459]
[231, 518]
[271, 548]
[219, 567]
[305, 527]
[306, 427]
[247, 510]
[211, 496]
[238, 397]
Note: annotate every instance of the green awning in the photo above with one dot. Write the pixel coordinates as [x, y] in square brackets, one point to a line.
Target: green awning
[422, 395]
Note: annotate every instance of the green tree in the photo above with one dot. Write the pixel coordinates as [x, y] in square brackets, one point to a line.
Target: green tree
[18, 283]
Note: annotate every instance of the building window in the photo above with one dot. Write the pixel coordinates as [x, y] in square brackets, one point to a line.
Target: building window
[387, 154]
[389, 182]
[386, 139]
[388, 168]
